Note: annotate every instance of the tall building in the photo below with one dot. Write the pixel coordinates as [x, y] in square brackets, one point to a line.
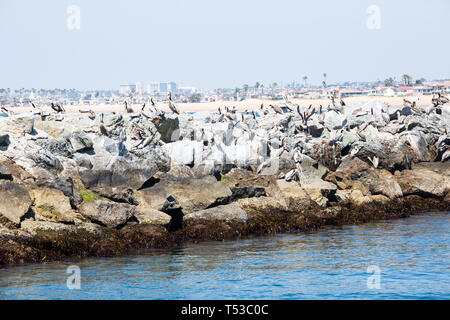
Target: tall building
[163, 87]
[172, 87]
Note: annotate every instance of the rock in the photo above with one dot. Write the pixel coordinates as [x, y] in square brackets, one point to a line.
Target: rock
[53, 205]
[14, 170]
[4, 140]
[123, 174]
[151, 216]
[229, 212]
[191, 194]
[20, 124]
[65, 185]
[391, 151]
[418, 145]
[262, 204]
[5, 173]
[56, 147]
[80, 141]
[356, 174]
[291, 191]
[354, 196]
[15, 201]
[47, 160]
[107, 213]
[184, 152]
[423, 182]
[33, 227]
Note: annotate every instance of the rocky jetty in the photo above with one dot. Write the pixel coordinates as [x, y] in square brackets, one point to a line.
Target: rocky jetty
[86, 184]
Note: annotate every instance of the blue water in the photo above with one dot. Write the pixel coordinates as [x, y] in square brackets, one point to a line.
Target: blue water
[412, 255]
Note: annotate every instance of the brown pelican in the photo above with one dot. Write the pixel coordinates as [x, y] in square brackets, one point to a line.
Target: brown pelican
[385, 116]
[342, 103]
[104, 131]
[172, 106]
[127, 110]
[276, 108]
[92, 115]
[56, 107]
[143, 107]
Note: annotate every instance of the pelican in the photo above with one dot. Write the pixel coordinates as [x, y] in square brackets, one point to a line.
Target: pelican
[104, 131]
[56, 107]
[172, 105]
[143, 107]
[127, 110]
[276, 108]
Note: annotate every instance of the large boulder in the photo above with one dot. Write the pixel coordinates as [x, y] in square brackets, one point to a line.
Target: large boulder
[147, 215]
[191, 194]
[33, 226]
[15, 201]
[107, 213]
[17, 125]
[229, 212]
[185, 152]
[52, 205]
[423, 181]
[80, 141]
[356, 174]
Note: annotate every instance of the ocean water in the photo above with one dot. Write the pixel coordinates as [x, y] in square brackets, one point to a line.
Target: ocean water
[396, 259]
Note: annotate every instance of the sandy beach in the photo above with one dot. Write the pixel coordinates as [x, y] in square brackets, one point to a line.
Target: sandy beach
[250, 104]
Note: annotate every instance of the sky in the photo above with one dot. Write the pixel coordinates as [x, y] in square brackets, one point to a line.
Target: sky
[217, 44]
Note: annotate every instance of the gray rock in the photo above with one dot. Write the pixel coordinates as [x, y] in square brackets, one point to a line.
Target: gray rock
[229, 212]
[107, 213]
[4, 140]
[80, 141]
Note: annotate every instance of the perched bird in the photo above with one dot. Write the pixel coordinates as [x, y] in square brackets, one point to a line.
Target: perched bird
[172, 105]
[56, 107]
[127, 109]
[276, 108]
[104, 131]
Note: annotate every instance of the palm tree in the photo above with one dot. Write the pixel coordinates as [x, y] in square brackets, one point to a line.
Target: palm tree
[304, 79]
[406, 79]
[324, 82]
[245, 87]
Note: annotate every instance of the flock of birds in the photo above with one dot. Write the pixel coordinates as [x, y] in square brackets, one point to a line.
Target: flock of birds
[239, 119]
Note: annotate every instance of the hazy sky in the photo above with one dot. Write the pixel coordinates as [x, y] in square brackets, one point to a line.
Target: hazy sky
[210, 44]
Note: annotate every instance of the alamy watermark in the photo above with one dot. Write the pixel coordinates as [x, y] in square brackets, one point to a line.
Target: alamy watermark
[74, 280]
[74, 17]
[374, 20]
[374, 281]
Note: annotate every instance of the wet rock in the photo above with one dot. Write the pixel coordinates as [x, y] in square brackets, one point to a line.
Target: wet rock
[33, 227]
[107, 213]
[229, 212]
[15, 201]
